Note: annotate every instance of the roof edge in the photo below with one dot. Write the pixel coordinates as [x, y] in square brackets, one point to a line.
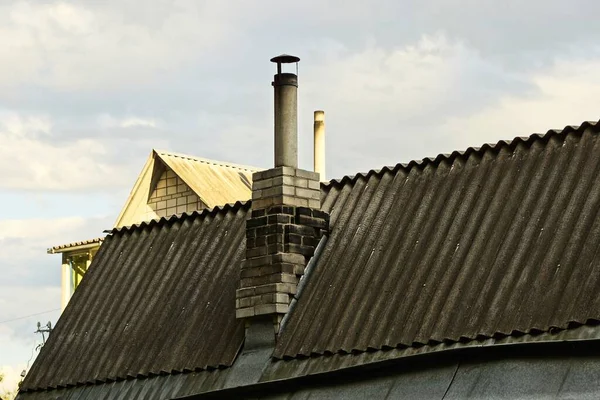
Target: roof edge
[161, 153]
[181, 217]
[512, 144]
[79, 245]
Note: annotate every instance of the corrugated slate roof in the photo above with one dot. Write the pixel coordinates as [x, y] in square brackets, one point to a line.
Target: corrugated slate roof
[158, 298]
[488, 242]
[74, 245]
[215, 182]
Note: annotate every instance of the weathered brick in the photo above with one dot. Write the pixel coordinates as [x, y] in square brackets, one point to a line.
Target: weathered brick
[258, 194]
[258, 213]
[260, 241]
[254, 281]
[266, 279]
[300, 183]
[311, 221]
[289, 258]
[299, 229]
[293, 238]
[279, 219]
[308, 193]
[276, 238]
[304, 211]
[283, 180]
[244, 292]
[275, 248]
[307, 174]
[282, 298]
[256, 222]
[256, 252]
[263, 203]
[314, 185]
[293, 201]
[270, 229]
[244, 312]
[310, 241]
[312, 203]
[274, 172]
[275, 288]
[278, 191]
[262, 184]
[306, 251]
[271, 309]
[299, 269]
[268, 269]
[280, 209]
[321, 214]
[246, 302]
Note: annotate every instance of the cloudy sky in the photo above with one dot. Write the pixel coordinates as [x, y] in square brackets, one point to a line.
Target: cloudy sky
[87, 89]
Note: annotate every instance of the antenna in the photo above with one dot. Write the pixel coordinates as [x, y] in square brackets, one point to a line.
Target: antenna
[46, 329]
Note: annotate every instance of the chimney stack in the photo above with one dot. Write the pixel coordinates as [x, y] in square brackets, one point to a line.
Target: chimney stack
[286, 223]
[319, 130]
[285, 86]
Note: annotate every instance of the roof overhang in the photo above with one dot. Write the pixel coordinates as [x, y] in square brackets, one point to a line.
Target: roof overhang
[76, 246]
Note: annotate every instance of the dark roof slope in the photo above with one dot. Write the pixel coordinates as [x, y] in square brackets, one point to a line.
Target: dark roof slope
[492, 241]
[159, 297]
[486, 243]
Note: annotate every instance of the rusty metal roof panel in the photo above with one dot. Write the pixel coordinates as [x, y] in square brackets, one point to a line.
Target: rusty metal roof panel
[158, 298]
[488, 242]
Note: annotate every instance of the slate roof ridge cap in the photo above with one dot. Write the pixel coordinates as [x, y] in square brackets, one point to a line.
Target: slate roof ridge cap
[203, 160]
[464, 153]
[183, 216]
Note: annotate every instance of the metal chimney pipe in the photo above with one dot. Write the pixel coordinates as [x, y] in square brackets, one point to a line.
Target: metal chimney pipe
[285, 86]
[319, 128]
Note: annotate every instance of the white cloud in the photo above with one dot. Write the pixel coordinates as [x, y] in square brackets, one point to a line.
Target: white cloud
[385, 106]
[102, 46]
[567, 94]
[23, 245]
[108, 121]
[36, 161]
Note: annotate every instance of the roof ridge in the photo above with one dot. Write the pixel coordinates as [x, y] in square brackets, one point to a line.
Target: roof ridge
[463, 154]
[207, 160]
[183, 216]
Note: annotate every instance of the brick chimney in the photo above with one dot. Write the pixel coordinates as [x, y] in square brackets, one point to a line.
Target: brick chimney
[286, 221]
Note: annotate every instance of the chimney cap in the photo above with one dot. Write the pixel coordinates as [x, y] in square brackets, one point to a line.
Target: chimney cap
[285, 59]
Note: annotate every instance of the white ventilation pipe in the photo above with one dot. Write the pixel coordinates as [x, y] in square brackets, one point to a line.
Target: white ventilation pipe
[319, 128]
